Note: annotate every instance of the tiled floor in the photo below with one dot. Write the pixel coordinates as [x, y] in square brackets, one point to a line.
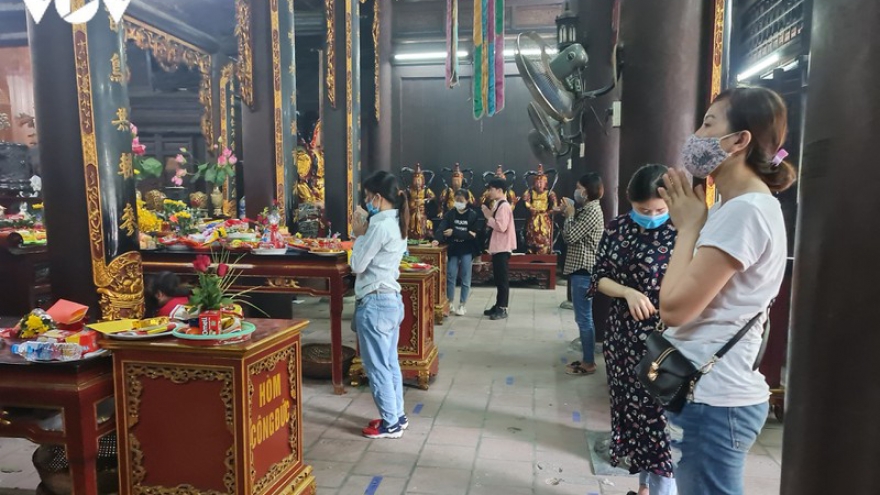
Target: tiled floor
[500, 418]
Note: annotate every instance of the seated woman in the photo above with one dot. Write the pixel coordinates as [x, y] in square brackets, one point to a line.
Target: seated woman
[164, 292]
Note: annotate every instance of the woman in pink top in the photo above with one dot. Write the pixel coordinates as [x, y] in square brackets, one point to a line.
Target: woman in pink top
[501, 245]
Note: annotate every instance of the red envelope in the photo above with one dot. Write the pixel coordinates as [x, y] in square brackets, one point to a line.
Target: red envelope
[66, 312]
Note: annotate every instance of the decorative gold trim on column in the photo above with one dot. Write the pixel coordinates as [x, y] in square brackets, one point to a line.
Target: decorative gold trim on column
[120, 285]
[330, 69]
[171, 51]
[349, 117]
[227, 127]
[245, 51]
[717, 71]
[376, 34]
[276, 88]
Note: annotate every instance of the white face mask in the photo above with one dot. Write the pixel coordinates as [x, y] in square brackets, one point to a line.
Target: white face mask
[460, 205]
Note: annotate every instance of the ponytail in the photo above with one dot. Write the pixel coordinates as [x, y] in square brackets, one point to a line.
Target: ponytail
[402, 206]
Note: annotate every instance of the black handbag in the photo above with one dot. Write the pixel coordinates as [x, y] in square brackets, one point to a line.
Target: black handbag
[670, 377]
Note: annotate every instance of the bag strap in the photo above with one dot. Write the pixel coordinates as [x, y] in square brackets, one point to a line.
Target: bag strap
[765, 335]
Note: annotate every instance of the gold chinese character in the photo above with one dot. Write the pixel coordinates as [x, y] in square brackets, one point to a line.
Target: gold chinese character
[126, 169]
[129, 222]
[121, 121]
[116, 74]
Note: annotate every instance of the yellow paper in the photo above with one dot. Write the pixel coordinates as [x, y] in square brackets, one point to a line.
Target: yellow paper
[108, 327]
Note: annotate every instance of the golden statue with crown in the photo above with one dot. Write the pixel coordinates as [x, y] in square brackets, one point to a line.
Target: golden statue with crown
[457, 180]
[418, 195]
[541, 202]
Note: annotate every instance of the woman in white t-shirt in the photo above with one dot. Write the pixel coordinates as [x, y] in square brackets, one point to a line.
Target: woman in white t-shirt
[727, 266]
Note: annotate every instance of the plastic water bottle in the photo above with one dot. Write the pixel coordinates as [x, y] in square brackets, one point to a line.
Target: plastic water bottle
[241, 208]
[48, 351]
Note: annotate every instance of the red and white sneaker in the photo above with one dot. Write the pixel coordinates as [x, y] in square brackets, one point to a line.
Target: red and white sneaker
[383, 431]
[403, 422]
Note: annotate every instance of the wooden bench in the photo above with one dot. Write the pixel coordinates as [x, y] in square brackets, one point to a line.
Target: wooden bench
[523, 268]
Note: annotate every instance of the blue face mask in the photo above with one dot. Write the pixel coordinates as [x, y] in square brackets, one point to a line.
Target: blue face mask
[372, 209]
[648, 222]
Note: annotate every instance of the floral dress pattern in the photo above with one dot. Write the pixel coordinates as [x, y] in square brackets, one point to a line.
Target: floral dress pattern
[636, 258]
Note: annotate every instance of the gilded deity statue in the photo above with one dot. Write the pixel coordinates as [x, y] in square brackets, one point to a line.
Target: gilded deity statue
[418, 195]
[306, 193]
[447, 197]
[540, 201]
[501, 174]
[318, 156]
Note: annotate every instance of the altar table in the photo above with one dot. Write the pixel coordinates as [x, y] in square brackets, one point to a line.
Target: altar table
[213, 420]
[297, 272]
[436, 256]
[74, 390]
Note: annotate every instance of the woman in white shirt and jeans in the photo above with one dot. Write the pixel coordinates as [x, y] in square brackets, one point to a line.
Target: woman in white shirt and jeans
[727, 267]
[380, 243]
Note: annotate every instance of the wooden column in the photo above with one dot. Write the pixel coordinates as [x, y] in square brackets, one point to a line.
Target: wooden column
[832, 441]
[377, 107]
[85, 144]
[661, 83]
[341, 112]
[269, 113]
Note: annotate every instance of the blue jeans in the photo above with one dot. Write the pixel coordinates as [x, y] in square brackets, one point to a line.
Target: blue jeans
[714, 445]
[657, 485]
[455, 266]
[378, 318]
[583, 315]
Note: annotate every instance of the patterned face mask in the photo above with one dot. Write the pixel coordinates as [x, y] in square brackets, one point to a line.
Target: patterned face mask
[702, 155]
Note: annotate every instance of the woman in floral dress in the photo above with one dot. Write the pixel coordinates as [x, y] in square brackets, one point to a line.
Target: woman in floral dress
[630, 265]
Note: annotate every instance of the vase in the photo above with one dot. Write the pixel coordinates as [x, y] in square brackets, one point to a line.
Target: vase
[217, 201]
[198, 200]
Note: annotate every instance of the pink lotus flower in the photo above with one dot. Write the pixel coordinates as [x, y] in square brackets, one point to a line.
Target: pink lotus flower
[233, 160]
[137, 148]
[134, 129]
[177, 181]
[180, 159]
[222, 160]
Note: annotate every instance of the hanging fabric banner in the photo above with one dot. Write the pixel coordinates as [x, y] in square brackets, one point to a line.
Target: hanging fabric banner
[451, 43]
[488, 57]
[480, 82]
[499, 56]
[489, 41]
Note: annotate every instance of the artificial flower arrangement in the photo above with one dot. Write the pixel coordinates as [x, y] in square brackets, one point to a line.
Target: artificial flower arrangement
[148, 222]
[34, 324]
[212, 298]
[180, 217]
[142, 166]
[218, 171]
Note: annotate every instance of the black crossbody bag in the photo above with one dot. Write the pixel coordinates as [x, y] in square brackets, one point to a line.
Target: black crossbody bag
[670, 377]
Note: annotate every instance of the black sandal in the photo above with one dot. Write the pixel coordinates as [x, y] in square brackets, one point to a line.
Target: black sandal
[577, 369]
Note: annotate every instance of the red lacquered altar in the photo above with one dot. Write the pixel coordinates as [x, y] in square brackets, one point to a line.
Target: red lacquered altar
[212, 420]
[296, 272]
[416, 349]
[72, 389]
[436, 256]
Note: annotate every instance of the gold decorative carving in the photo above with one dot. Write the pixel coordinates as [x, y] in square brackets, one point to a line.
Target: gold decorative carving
[120, 285]
[267, 364]
[330, 70]
[245, 51]
[170, 51]
[121, 122]
[280, 192]
[376, 34]
[126, 167]
[413, 344]
[179, 375]
[116, 73]
[129, 221]
[349, 117]
[717, 71]
[282, 282]
[227, 126]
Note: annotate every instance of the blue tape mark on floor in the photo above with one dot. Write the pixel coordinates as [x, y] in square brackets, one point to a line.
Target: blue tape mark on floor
[563, 360]
[510, 380]
[418, 408]
[451, 332]
[560, 336]
[576, 417]
[440, 356]
[373, 486]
